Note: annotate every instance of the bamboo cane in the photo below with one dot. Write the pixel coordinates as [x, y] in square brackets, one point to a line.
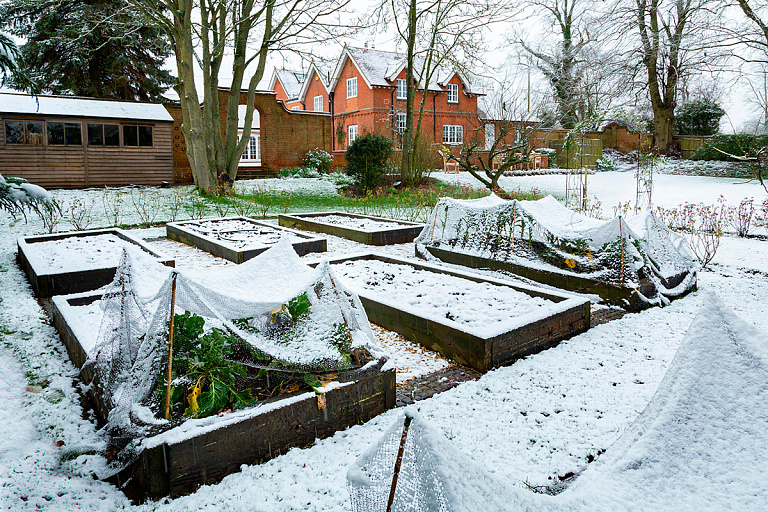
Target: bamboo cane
[621, 234]
[170, 350]
[398, 462]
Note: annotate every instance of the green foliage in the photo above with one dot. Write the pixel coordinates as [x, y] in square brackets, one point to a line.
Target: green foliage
[299, 172]
[367, 159]
[298, 306]
[100, 49]
[739, 144]
[699, 117]
[204, 378]
[605, 164]
[319, 160]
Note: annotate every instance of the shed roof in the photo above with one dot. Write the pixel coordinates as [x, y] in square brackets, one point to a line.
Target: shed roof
[15, 103]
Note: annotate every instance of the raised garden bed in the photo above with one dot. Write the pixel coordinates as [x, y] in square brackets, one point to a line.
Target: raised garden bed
[616, 295]
[360, 228]
[203, 451]
[78, 261]
[239, 239]
[500, 322]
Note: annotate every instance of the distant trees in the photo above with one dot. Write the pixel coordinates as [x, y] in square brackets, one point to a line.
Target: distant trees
[102, 49]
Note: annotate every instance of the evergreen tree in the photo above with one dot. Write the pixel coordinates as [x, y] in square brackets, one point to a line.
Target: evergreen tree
[699, 117]
[97, 48]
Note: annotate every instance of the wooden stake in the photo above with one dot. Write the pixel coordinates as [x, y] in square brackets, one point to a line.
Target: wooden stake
[398, 462]
[170, 350]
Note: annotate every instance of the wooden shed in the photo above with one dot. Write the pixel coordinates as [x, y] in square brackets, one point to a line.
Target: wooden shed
[69, 142]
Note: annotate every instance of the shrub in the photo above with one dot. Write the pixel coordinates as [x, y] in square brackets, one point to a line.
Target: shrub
[319, 160]
[737, 144]
[299, 172]
[367, 159]
[700, 117]
[605, 163]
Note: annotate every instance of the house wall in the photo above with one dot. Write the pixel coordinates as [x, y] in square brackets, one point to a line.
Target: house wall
[89, 166]
[315, 88]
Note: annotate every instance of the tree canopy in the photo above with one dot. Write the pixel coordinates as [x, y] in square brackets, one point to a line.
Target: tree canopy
[95, 48]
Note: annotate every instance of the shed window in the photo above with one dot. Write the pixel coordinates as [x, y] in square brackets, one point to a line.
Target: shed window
[69, 134]
[23, 132]
[103, 135]
[137, 135]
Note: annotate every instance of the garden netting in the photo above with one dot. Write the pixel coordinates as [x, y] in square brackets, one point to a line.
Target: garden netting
[546, 235]
[294, 318]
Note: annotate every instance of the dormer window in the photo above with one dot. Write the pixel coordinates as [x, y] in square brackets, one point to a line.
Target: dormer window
[402, 89]
[352, 87]
[453, 93]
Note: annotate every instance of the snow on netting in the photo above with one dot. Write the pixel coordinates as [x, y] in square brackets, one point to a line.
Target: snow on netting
[544, 234]
[433, 475]
[256, 301]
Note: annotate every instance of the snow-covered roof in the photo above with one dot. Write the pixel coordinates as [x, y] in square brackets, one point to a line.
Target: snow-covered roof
[13, 103]
[290, 79]
[380, 68]
[313, 70]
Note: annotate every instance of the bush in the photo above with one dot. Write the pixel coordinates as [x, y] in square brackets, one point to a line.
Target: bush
[737, 144]
[367, 159]
[299, 172]
[319, 160]
[700, 117]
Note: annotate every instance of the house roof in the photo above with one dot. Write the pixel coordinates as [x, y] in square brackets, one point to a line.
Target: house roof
[290, 79]
[380, 68]
[313, 70]
[70, 106]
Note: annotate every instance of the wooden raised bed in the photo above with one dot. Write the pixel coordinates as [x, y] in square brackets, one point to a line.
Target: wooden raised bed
[182, 459]
[46, 283]
[182, 232]
[401, 232]
[464, 346]
[615, 295]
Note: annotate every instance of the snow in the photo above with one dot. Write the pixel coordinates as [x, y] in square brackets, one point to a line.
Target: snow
[354, 222]
[543, 417]
[239, 233]
[25, 104]
[483, 308]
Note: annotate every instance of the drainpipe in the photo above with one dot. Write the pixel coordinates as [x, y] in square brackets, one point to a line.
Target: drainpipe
[333, 122]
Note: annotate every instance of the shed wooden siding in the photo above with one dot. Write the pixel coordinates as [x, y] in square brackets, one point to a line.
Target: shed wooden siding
[88, 166]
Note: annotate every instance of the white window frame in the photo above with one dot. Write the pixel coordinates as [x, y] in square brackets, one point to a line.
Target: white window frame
[352, 133]
[401, 121]
[296, 107]
[252, 151]
[318, 103]
[453, 93]
[453, 134]
[402, 89]
[490, 135]
[352, 87]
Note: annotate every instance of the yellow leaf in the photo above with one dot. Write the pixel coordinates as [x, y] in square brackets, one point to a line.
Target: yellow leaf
[192, 397]
[570, 262]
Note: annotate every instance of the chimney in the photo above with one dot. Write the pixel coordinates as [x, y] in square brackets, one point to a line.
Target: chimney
[366, 45]
[373, 46]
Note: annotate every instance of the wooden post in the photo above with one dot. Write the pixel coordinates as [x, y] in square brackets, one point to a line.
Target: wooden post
[398, 462]
[170, 350]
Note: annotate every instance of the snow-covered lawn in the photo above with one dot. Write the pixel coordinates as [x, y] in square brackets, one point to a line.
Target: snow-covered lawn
[543, 417]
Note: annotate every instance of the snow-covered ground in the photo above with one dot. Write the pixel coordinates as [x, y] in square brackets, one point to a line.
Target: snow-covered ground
[543, 417]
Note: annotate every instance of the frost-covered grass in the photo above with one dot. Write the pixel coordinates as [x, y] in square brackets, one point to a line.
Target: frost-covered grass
[543, 417]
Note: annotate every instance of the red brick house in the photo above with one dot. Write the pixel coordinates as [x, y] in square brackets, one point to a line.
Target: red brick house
[287, 84]
[368, 94]
[314, 92]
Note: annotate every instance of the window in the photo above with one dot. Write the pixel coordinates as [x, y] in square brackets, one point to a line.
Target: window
[402, 89]
[453, 93]
[137, 135]
[23, 132]
[296, 107]
[318, 103]
[453, 134]
[490, 135]
[64, 134]
[103, 135]
[253, 149]
[400, 122]
[352, 87]
[351, 134]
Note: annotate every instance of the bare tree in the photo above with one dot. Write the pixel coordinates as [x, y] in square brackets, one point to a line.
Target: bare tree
[438, 34]
[204, 35]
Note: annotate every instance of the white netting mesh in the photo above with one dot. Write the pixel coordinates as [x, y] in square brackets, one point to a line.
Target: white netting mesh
[433, 475]
[544, 234]
[284, 317]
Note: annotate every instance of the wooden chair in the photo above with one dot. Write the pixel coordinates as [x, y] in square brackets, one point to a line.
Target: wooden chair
[451, 166]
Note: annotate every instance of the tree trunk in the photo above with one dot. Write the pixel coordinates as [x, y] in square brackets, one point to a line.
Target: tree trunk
[663, 123]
